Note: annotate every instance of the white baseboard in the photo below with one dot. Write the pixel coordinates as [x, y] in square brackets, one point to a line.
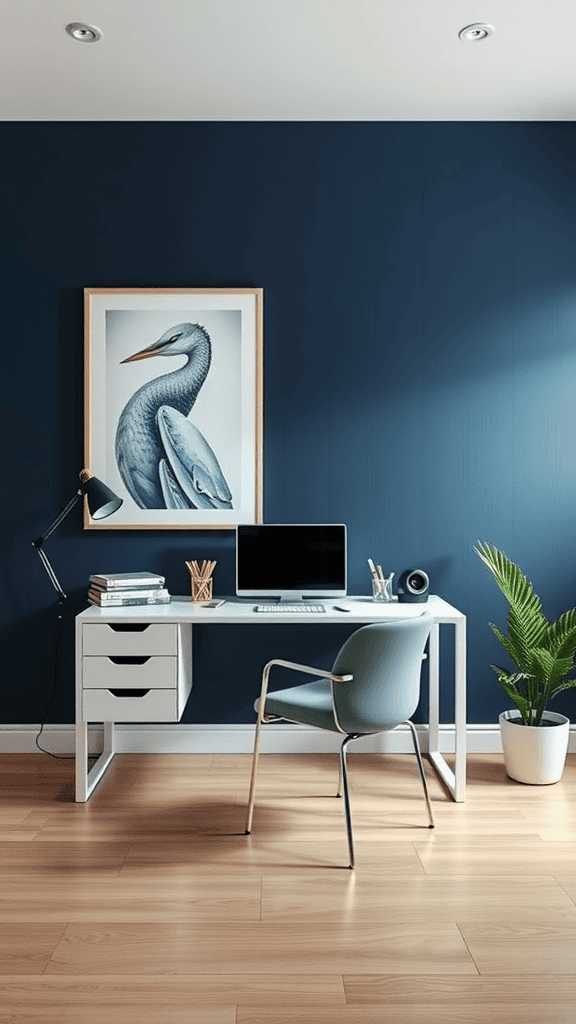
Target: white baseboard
[281, 738]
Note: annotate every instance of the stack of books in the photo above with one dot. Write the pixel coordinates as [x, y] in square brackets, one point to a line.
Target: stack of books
[111, 590]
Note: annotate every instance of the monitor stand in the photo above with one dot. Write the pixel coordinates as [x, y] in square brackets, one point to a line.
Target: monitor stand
[290, 597]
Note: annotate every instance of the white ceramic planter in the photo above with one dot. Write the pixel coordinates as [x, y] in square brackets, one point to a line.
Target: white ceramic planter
[534, 754]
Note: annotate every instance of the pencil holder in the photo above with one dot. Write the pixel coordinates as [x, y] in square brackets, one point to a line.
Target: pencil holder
[201, 580]
[382, 589]
[201, 589]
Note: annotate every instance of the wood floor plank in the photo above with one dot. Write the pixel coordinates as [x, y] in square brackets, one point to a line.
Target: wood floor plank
[203, 948]
[72, 992]
[567, 881]
[38, 796]
[466, 992]
[68, 899]
[558, 834]
[482, 816]
[376, 829]
[173, 822]
[285, 824]
[474, 857]
[21, 858]
[326, 897]
[18, 835]
[26, 949]
[530, 946]
[263, 855]
[518, 1013]
[10, 817]
[110, 1012]
[170, 764]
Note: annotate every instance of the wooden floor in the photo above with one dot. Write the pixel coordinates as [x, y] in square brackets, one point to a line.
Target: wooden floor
[149, 905]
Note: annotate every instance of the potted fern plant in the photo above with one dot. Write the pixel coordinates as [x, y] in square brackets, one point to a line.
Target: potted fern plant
[534, 740]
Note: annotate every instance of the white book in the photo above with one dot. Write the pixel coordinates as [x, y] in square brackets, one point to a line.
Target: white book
[119, 602]
[127, 579]
[106, 596]
[140, 588]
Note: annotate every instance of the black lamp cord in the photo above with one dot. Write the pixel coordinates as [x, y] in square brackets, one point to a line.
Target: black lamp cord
[59, 632]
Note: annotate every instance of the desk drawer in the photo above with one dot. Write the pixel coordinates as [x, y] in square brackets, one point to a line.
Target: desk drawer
[151, 706]
[130, 638]
[129, 671]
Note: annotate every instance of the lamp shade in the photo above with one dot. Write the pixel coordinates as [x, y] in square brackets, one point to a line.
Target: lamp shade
[102, 501]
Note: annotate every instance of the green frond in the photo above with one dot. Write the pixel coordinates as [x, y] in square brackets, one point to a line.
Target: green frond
[526, 623]
[566, 684]
[541, 664]
[560, 669]
[561, 634]
[517, 654]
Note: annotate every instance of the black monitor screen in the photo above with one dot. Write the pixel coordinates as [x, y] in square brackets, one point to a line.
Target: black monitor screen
[307, 560]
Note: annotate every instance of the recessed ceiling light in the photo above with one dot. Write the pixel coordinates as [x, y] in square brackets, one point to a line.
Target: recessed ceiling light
[83, 33]
[476, 33]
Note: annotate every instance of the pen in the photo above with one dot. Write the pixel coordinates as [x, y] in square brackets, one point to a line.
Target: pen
[376, 577]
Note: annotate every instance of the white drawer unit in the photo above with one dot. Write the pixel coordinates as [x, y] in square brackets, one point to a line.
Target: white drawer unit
[135, 671]
[127, 671]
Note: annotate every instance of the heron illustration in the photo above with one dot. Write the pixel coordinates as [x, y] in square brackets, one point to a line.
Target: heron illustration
[163, 459]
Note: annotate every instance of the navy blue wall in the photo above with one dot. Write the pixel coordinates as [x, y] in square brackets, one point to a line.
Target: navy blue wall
[420, 357]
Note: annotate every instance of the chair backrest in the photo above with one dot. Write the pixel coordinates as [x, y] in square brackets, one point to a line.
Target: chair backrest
[386, 661]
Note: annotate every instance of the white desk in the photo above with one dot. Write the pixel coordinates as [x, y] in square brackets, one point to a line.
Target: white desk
[169, 649]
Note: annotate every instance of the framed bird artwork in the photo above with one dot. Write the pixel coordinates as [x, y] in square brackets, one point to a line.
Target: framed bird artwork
[173, 404]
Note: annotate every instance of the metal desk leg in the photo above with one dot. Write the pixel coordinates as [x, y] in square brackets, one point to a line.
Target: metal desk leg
[87, 780]
[81, 762]
[460, 710]
[434, 689]
[455, 781]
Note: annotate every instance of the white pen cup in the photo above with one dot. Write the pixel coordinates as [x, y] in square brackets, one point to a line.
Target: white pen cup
[382, 589]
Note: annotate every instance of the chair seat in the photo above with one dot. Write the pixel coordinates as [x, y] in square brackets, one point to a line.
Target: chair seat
[308, 704]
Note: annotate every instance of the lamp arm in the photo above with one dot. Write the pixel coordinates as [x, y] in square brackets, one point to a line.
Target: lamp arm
[54, 526]
[40, 540]
[53, 577]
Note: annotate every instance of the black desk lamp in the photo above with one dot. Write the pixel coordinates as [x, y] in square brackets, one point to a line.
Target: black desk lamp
[102, 502]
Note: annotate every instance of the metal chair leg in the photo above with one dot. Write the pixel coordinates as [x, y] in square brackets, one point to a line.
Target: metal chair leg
[255, 758]
[421, 769]
[344, 777]
[256, 754]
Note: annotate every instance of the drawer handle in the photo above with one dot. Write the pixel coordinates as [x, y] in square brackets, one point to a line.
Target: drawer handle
[121, 692]
[128, 627]
[128, 659]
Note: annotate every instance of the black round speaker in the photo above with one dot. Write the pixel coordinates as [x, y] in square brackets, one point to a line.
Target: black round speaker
[413, 586]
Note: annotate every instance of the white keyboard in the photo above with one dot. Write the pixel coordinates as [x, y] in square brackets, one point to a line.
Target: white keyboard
[289, 608]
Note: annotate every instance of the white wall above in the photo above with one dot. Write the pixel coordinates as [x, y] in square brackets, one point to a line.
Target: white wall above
[277, 60]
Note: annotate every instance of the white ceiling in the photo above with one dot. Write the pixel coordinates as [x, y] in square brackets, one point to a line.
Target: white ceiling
[288, 60]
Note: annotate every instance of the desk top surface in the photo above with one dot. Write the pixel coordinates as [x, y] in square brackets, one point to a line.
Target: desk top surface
[241, 610]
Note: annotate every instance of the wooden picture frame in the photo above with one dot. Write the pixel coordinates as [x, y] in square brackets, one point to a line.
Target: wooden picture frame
[178, 439]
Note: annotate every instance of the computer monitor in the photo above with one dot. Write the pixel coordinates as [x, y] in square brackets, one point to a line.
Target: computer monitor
[291, 562]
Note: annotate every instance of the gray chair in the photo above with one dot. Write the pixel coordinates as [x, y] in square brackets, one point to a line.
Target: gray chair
[373, 687]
